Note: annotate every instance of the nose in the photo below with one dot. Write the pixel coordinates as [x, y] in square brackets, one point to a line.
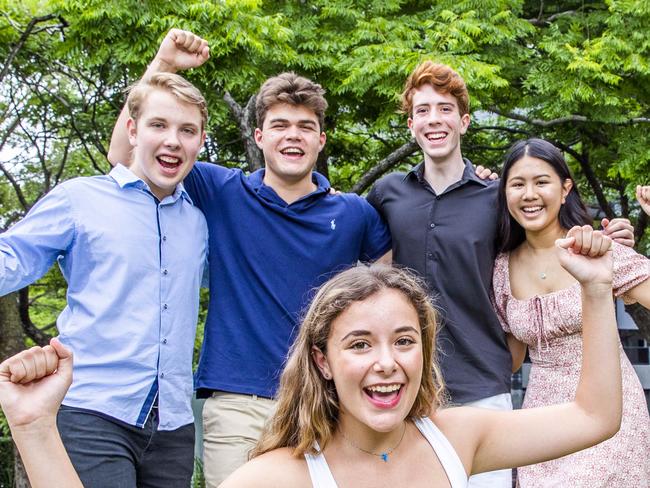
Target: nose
[385, 361]
[529, 192]
[293, 132]
[171, 139]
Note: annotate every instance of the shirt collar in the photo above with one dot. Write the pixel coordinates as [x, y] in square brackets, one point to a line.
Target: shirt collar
[124, 178]
[469, 174]
[257, 181]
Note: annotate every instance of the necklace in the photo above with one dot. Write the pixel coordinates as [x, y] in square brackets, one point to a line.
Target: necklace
[383, 455]
[542, 275]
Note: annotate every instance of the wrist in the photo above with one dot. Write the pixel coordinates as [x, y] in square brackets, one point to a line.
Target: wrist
[160, 66]
[40, 427]
[597, 290]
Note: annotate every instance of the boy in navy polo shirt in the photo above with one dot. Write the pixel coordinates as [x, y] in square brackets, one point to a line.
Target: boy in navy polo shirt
[275, 235]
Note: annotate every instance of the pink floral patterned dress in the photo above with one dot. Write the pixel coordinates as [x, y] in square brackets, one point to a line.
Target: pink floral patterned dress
[551, 326]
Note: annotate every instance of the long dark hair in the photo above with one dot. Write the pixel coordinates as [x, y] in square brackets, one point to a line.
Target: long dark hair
[572, 212]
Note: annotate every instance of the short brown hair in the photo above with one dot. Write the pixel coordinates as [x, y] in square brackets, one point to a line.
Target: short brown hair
[170, 82]
[307, 407]
[294, 90]
[442, 78]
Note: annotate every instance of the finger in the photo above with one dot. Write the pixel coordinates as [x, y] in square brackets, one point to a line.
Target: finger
[18, 369]
[204, 52]
[494, 176]
[597, 244]
[178, 36]
[195, 46]
[40, 363]
[64, 367]
[586, 237]
[577, 233]
[604, 223]
[30, 359]
[51, 359]
[605, 245]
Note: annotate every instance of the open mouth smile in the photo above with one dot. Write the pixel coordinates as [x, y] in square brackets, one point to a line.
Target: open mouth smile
[384, 396]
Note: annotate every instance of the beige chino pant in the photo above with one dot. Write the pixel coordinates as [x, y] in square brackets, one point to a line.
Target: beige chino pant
[232, 424]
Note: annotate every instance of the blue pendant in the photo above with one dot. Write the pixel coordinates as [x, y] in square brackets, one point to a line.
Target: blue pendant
[384, 456]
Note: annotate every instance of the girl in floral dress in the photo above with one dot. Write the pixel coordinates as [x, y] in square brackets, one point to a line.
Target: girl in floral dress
[539, 306]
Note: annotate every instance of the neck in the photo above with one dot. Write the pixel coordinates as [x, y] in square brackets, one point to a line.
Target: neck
[290, 191]
[365, 439]
[545, 238]
[442, 173]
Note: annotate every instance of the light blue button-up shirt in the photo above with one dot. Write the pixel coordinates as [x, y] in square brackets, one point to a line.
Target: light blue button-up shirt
[134, 267]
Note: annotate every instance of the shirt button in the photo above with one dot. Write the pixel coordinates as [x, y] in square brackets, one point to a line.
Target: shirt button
[164, 341]
[165, 272]
[164, 238]
[162, 375]
[432, 225]
[165, 307]
[430, 255]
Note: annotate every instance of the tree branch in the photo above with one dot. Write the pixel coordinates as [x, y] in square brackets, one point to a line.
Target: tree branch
[383, 166]
[28, 326]
[561, 120]
[21, 42]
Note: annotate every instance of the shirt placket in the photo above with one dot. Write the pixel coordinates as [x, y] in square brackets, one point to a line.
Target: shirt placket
[166, 308]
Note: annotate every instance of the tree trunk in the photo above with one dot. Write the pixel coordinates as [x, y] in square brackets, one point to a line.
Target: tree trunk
[12, 341]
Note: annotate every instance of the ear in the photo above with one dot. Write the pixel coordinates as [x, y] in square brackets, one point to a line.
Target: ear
[321, 362]
[464, 123]
[259, 135]
[566, 188]
[203, 136]
[323, 139]
[132, 131]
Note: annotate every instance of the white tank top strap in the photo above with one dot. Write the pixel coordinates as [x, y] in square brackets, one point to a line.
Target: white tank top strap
[321, 476]
[446, 453]
[319, 471]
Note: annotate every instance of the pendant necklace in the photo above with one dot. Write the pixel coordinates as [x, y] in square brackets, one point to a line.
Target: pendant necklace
[542, 275]
[382, 455]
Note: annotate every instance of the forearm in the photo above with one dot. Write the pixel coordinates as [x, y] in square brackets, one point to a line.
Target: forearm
[119, 150]
[599, 389]
[46, 461]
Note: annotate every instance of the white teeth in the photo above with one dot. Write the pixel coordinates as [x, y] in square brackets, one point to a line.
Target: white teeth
[292, 150]
[169, 159]
[384, 389]
[531, 209]
[435, 137]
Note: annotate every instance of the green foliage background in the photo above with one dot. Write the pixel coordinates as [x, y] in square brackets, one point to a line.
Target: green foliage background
[574, 71]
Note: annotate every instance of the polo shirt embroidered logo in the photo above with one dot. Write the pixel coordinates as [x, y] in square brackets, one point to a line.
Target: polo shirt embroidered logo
[333, 224]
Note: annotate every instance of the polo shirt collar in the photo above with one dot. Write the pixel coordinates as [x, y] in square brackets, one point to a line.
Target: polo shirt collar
[469, 174]
[125, 178]
[256, 180]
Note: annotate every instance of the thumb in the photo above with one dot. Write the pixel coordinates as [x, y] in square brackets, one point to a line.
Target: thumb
[64, 368]
[565, 243]
[205, 52]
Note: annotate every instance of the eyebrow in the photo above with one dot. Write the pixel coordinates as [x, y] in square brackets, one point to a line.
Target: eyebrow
[286, 121]
[544, 175]
[363, 332]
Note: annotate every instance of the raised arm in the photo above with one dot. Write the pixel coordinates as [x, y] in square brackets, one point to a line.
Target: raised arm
[32, 386]
[522, 437]
[179, 50]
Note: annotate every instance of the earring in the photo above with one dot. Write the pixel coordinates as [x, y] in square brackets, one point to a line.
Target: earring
[327, 376]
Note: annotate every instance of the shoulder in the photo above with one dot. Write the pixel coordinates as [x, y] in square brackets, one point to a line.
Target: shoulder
[210, 171]
[390, 180]
[277, 468]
